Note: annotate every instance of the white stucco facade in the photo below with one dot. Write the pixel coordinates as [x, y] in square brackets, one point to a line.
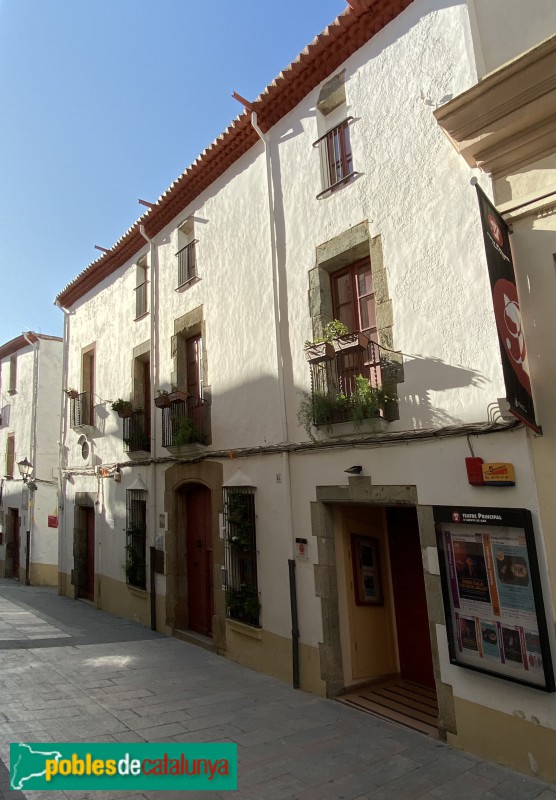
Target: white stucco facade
[412, 207]
[31, 381]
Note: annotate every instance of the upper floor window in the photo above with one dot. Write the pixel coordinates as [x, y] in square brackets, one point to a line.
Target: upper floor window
[10, 456]
[13, 374]
[187, 254]
[141, 288]
[336, 158]
[333, 125]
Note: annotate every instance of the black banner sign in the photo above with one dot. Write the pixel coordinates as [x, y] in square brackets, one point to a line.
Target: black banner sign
[507, 313]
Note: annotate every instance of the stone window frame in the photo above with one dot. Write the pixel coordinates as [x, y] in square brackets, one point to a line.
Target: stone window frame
[350, 246]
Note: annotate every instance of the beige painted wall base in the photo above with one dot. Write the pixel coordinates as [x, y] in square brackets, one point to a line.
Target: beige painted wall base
[44, 575]
[118, 598]
[272, 654]
[505, 738]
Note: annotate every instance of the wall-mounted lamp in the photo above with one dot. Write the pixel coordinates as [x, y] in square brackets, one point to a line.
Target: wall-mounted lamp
[26, 472]
[357, 470]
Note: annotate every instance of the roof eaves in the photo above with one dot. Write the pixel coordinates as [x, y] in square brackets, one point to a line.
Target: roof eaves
[351, 29]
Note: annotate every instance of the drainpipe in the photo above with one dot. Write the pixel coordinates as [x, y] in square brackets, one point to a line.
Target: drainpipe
[61, 454]
[154, 377]
[33, 453]
[282, 400]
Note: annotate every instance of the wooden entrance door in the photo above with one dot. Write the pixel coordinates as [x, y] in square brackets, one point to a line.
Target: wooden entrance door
[410, 602]
[16, 541]
[87, 587]
[199, 559]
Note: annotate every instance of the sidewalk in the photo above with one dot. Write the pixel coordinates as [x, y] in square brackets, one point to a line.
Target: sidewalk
[71, 673]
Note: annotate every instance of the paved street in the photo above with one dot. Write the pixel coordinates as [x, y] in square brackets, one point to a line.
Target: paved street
[71, 673]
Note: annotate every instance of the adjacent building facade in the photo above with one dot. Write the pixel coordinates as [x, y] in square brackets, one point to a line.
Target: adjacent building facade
[278, 501]
[31, 383]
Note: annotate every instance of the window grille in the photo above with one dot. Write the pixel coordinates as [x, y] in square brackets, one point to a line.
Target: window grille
[136, 538]
[242, 594]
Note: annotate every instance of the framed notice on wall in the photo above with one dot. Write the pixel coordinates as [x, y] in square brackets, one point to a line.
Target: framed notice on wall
[493, 601]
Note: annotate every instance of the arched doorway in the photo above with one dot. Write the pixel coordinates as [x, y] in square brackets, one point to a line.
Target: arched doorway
[194, 608]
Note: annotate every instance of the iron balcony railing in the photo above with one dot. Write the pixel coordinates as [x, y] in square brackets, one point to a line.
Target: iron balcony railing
[135, 433]
[187, 263]
[82, 410]
[186, 422]
[351, 385]
[141, 299]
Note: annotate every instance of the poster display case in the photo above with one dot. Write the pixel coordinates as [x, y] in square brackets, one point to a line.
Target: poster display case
[493, 600]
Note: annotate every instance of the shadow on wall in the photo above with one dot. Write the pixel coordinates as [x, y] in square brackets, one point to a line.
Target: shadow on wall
[423, 375]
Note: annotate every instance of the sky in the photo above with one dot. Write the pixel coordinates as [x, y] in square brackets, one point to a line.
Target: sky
[103, 102]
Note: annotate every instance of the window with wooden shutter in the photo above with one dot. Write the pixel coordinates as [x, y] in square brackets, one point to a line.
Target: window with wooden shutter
[10, 456]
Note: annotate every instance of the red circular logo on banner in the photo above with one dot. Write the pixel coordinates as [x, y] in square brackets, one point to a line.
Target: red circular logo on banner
[510, 329]
[495, 230]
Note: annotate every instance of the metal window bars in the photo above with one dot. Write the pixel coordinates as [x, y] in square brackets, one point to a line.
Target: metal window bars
[135, 435]
[240, 554]
[136, 538]
[186, 422]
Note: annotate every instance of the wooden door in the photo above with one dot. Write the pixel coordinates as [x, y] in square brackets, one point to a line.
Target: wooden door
[408, 583]
[353, 303]
[16, 542]
[87, 588]
[199, 560]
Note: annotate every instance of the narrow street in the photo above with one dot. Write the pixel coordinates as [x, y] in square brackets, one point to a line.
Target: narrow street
[71, 673]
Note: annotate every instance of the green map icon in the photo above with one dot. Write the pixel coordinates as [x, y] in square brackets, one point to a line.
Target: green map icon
[27, 762]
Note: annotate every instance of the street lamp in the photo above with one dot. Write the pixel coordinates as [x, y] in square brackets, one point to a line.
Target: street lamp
[26, 472]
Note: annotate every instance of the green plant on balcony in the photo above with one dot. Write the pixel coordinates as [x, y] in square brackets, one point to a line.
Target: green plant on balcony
[186, 433]
[330, 332]
[123, 408]
[320, 408]
[243, 604]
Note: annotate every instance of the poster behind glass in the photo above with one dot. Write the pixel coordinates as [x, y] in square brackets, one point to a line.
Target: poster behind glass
[492, 593]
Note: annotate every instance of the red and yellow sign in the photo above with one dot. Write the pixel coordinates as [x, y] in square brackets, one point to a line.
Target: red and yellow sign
[499, 474]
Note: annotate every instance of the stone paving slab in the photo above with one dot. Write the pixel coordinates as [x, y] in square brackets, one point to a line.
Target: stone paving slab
[110, 680]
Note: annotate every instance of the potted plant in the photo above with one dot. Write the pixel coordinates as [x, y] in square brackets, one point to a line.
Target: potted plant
[123, 408]
[187, 433]
[239, 516]
[73, 394]
[243, 604]
[365, 402]
[162, 399]
[321, 348]
[351, 342]
[177, 396]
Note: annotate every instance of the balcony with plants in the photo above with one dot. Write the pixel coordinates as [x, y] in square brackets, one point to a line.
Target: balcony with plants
[353, 383]
[185, 422]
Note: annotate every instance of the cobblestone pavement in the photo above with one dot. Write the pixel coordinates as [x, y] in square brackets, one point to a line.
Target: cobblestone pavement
[71, 673]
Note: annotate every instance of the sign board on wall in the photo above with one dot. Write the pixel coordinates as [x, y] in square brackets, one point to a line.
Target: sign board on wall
[493, 601]
[507, 312]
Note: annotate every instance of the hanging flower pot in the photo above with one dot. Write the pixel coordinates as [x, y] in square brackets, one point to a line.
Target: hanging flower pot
[177, 396]
[123, 408]
[351, 343]
[162, 400]
[315, 352]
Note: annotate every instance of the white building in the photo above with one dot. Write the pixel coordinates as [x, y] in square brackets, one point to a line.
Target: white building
[335, 195]
[30, 386]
